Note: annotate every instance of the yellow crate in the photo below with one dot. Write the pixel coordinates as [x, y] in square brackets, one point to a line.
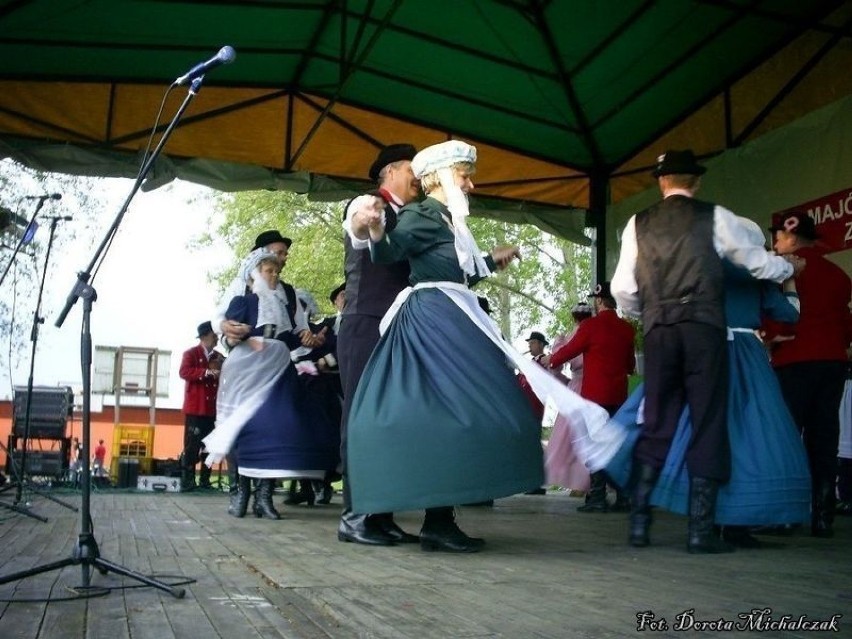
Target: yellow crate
[133, 441]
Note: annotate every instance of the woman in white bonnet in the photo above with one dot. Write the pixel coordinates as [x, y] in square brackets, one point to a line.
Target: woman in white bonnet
[438, 418]
[276, 429]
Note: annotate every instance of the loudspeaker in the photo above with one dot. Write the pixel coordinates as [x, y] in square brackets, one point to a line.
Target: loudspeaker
[128, 472]
[39, 462]
[50, 408]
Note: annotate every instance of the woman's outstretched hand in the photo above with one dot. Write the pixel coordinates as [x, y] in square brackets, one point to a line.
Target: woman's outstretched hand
[502, 255]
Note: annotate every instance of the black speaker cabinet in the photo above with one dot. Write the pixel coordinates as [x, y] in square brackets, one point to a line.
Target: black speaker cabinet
[49, 463]
[50, 408]
[128, 472]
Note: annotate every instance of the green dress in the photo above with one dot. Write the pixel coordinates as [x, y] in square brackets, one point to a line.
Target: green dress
[438, 418]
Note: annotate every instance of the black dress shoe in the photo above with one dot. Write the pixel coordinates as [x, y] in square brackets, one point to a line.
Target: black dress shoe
[389, 527]
[357, 529]
[448, 538]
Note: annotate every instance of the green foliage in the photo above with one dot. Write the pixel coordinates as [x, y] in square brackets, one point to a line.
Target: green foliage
[315, 261]
[537, 292]
[20, 288]
[639, 339]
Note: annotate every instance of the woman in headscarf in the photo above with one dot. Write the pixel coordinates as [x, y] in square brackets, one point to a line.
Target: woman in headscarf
[438, 418]
[562, 465]
[277, 429]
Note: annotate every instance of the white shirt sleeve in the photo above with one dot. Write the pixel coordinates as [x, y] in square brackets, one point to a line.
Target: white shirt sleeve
[354, 205]
[732, 241]
[623, 285]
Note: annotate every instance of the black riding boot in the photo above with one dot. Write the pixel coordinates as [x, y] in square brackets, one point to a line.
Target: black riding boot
[304, 494]
[823, 500]
[264, 506]
[440, 533]
[323, 490]
[204, 475]
[240, 499]
[703, 538]
[643, 478]
[187, 480]
[596, 497]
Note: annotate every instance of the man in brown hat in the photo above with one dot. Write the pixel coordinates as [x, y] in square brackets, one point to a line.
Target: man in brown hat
[370, 290]
[670, 273]
[811, 360]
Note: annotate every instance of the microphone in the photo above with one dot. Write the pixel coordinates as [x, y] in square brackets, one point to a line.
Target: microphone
[48, 196]
[225, 55]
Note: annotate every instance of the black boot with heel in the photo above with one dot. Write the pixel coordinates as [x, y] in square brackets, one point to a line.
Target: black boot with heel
[263, 505]
[596, 497]
[240, 499]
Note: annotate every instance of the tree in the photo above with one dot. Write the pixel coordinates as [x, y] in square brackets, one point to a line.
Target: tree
[19, 291]
[315, 262]
[537, 292]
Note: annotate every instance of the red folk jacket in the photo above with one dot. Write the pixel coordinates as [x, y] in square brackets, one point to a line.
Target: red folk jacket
[824, 329]
[199, 397]
[606, 343]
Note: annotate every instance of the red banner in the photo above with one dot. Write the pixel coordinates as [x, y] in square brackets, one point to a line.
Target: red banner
[833, 217]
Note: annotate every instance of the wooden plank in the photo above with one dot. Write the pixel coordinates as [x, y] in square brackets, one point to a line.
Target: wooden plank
[547, 572]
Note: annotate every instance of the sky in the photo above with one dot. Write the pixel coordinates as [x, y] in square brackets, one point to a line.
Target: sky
[152, 290]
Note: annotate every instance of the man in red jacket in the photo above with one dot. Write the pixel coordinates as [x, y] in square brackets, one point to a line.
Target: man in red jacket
[199, 367]
[811, 367]
[606, 343]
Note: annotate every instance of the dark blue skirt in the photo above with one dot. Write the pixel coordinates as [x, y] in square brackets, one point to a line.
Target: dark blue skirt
[770, 481]
[438, 418]
[291, 430]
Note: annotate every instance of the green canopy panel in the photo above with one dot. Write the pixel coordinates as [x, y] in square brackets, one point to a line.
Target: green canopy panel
[559, 97]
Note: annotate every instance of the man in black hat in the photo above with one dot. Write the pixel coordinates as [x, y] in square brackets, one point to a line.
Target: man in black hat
[536, 343]
[370, 290]
[811, 361]
[199, 368]
[670, 273]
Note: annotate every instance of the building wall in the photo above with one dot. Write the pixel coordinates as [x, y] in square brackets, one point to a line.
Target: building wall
[168, 430]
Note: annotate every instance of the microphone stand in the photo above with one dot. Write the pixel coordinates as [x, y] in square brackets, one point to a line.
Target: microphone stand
[21, 474]
[21, 241]
[86, 552]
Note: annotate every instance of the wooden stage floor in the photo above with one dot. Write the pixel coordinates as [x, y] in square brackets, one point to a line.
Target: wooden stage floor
[547, 571]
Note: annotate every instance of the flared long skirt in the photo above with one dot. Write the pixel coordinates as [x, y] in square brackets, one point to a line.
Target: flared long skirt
[438, 418]
[770, 481]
